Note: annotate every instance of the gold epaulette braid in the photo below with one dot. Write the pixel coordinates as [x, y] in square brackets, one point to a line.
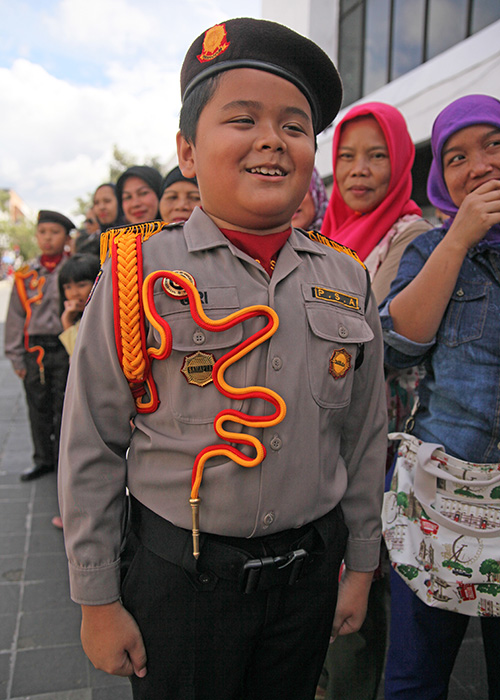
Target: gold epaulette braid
[123, 245]
[145, 231]
[127, 279]
[319, 238]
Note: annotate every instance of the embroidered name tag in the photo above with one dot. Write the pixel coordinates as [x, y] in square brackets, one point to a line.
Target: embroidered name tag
[336, 297]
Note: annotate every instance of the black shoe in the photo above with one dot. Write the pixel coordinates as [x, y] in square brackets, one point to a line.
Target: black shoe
[36, 471]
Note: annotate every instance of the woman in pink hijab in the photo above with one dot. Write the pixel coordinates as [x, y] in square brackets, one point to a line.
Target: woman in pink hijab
[370, 209]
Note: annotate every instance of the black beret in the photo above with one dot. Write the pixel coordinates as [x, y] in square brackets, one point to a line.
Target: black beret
[44, 215]
[175, 175]
[256, 43]
[150, 175]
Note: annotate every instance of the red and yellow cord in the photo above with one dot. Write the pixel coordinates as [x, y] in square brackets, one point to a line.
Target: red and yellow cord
[218, 371]
[36, 283]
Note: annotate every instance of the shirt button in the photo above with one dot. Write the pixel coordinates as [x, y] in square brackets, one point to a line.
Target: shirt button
[277, 363]
[276, 443]
[460, 292]
[268, 519]
[199, 337]
[204, 578]
[343, 332]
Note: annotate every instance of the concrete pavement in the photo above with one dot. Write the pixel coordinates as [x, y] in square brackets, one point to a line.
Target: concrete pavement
[40, 653]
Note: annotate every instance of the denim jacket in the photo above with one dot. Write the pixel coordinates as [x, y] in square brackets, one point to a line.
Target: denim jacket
[460, 393]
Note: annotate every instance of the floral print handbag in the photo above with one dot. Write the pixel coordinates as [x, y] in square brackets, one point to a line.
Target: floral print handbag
[441, 525]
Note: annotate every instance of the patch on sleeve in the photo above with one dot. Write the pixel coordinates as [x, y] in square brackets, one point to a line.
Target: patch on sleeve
[331, 295]
[99, 275]
[340, 363]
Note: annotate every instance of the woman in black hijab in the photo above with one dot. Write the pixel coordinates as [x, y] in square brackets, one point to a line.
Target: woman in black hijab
[139, 191]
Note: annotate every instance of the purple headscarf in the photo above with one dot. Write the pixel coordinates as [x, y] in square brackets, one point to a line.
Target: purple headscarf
[470, 110]
[320, 199]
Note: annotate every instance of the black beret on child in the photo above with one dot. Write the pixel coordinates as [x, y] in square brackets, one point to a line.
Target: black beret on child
[47, 216]
[256, 43]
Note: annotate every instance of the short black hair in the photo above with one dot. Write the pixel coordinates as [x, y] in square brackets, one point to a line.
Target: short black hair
[193, 106]
[79, 268]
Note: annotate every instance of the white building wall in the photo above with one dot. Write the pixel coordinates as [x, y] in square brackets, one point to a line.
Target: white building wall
[472, 66]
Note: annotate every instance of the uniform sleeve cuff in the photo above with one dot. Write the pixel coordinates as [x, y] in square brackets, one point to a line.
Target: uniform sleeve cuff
[362, 555]
[95, 586]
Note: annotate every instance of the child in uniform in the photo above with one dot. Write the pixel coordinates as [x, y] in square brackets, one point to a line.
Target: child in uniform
[181, 335]
[31, 339]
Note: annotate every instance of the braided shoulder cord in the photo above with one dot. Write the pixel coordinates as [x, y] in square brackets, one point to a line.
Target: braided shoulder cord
[124, 245]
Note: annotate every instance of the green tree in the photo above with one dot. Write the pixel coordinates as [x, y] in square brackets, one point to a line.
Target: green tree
[121, 160]
[489, 567]
[20, 234]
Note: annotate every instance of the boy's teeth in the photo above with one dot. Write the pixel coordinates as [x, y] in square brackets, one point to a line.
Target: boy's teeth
[267, 171]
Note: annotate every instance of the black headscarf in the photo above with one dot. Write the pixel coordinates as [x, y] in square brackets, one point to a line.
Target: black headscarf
[150, 175]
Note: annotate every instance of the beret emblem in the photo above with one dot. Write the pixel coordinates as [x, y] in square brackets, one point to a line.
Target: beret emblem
[214, 43]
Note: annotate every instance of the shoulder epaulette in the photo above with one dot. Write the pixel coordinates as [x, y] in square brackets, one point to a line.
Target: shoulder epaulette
[144, 231]
[124, 247]
[319, 238]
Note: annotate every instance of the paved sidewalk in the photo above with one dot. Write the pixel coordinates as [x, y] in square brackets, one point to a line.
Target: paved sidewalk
[40, 653]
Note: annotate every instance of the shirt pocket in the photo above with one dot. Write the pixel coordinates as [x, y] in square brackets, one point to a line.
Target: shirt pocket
[334, 340]
[183, 374]
[465, 315]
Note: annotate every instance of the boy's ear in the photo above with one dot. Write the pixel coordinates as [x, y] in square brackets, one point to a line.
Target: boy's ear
[185, 156]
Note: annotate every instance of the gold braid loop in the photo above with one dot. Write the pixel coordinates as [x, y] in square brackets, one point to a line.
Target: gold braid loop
[133, 360]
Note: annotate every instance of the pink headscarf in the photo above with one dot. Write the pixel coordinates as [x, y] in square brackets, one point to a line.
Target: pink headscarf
[362, 232]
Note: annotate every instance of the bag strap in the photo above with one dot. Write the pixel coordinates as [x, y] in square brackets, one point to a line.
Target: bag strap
[425, 486]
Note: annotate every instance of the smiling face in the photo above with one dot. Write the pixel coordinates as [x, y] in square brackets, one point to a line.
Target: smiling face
[51, 237]
[105, 204]
[363, 167]
[139, 201]
[178, 201]
[470, 158]
[254, 152]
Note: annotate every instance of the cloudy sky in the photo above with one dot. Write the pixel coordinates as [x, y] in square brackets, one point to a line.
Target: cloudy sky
[79, 76]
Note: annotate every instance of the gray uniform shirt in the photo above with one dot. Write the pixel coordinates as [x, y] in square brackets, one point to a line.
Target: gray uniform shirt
[45, 313]
[330, 447]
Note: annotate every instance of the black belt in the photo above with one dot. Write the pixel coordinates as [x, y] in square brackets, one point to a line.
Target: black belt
[48, 342]
[255, 564]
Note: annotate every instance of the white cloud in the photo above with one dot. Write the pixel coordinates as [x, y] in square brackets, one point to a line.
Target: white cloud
[81, 76]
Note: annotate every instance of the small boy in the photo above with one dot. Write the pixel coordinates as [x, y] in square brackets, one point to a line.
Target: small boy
[243, 606]
[31, 339]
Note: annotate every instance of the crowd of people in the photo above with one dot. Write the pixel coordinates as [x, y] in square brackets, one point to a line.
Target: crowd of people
[269, 581]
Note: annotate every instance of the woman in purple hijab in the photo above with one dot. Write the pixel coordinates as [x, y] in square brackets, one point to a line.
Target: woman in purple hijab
[443, 311]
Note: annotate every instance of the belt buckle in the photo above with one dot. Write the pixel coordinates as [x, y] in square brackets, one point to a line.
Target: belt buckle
[252, 569]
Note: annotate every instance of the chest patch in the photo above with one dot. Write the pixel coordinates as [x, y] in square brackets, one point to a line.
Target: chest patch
[197, 368]
[340, 363]
[335, 297]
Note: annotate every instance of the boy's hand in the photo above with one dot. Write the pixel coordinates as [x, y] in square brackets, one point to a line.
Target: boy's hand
[112, 640]
[352, 602]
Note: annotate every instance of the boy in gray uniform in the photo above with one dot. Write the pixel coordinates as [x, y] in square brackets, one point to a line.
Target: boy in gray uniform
[244, 608]
[32, 344]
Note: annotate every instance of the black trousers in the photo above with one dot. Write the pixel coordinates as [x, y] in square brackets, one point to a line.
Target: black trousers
[207, 640]
[45, 401]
